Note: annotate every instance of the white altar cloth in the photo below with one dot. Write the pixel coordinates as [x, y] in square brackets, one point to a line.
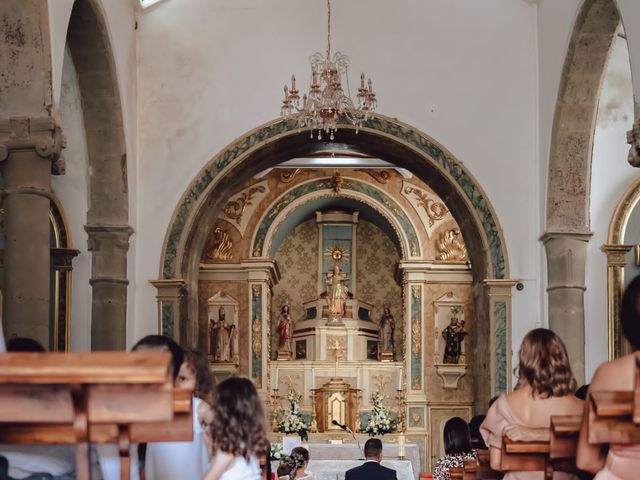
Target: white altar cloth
[350, 451]
[335, 469]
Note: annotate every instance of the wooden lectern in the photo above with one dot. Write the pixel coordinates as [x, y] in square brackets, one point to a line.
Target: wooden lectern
[339, 401]
[83, 398]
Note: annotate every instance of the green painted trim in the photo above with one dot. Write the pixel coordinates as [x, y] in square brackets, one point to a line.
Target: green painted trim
[500, 313]
[256, 312]
[416, 321]
[167, 319]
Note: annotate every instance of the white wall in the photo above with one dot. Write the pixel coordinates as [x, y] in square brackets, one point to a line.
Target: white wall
[462, 71]
[120, 19]
[610, 177]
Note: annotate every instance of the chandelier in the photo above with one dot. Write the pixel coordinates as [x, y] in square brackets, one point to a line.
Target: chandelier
[326, 102]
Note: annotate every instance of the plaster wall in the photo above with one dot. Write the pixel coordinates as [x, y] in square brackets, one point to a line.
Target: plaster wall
[71, 189]
[119, 16]
[210, 71]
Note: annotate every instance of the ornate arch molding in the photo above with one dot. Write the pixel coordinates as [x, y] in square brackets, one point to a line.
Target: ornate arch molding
[381, 135]
[364, 192]
[615, 249]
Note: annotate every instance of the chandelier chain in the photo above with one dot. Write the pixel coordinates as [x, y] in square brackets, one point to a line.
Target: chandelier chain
[326, 103]
[328, 29]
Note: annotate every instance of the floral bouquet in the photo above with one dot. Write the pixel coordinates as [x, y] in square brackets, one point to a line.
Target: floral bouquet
[290, 421]
[277, 452]
[380, 421]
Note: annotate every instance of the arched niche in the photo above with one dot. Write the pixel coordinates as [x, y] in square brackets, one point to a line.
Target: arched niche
[381, 137]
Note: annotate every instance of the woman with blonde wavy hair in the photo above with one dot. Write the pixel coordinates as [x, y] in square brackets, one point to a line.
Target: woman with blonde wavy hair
[545, 387]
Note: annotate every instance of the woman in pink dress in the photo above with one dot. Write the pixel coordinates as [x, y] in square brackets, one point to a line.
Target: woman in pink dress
[621, 462]
[545, 388]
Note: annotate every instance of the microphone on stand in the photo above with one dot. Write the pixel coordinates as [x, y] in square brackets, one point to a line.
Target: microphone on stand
[347, 429]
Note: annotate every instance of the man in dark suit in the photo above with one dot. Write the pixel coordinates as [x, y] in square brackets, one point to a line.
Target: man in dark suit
[371, 468]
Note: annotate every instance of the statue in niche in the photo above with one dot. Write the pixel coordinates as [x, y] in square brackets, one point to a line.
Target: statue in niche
[285, 332]
[337, 292]
[453, 335]
[221, 338]
[386, 346]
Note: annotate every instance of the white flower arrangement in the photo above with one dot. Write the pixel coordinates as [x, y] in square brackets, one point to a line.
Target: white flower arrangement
[277, 452]
[380, 421]
[290, 421]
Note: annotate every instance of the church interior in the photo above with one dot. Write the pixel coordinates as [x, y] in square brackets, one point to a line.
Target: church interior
[388, 256]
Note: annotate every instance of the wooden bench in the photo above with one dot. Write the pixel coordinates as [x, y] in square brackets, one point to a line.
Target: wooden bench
[611, 418]
[83, 398]
[480, 469]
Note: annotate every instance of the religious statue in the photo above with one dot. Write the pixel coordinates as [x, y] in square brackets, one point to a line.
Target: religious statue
[453, 335]
[386, 346]
[285, 332]
[336, 292]
[221, 338]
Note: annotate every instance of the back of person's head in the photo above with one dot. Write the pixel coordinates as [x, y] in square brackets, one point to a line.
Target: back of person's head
[630, 313]
[198, 362]
[285, 467]
[238, 425]
[24, 344]
[300, 458]
[160, 343]
[373, 448]
[544, 364]
[474, 432]
[456, 437]
[581, 392]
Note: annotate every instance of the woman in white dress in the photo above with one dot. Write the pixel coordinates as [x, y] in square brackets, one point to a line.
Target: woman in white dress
[295, 466]
[237, 431]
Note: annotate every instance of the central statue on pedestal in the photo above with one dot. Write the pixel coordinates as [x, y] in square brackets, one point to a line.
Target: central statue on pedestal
[337, 293]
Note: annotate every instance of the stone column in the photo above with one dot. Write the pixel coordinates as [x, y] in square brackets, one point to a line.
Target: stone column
[28, 146]
[615, 287]
[108, 245]
[566, 261]
[500, 341]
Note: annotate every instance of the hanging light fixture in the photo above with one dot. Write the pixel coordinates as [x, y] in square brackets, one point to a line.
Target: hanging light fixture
[326, 102]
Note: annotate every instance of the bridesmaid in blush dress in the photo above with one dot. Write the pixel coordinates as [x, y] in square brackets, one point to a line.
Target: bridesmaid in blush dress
[621, 462]
[545, 387]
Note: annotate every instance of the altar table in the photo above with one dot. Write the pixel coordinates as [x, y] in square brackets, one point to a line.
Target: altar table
[350, 451]
[335, 469]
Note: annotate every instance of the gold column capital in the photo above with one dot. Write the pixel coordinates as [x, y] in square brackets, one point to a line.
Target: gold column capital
[615, 253]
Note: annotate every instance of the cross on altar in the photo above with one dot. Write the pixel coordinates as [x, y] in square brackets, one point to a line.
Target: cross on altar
[337, 348]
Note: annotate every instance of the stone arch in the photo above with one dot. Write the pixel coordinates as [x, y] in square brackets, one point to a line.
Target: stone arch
[375, 198]
[569, 175]
[107, 217]
[381, 137]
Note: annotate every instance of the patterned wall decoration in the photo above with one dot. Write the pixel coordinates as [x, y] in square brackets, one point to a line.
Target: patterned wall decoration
[500, 313]
[256, 334]
[297, 260]
[416, 321]
[377, 259]
[239, 208]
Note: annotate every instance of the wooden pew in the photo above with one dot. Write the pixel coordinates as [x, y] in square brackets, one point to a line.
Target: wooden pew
[611, 417]
[556, 455]
[100, 397]
[480, 469]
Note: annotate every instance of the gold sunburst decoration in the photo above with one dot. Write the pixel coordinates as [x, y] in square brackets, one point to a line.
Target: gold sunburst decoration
[338, 253]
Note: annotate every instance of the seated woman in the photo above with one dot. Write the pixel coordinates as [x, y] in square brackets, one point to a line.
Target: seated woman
[300, 458]
[457, 447]
[545, 387]
[620, 462]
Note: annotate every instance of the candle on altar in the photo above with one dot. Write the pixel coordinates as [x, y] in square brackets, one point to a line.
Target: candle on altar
[275, 379]
[313, 378]
[400, 378]
[358, 378]
[401, 444]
